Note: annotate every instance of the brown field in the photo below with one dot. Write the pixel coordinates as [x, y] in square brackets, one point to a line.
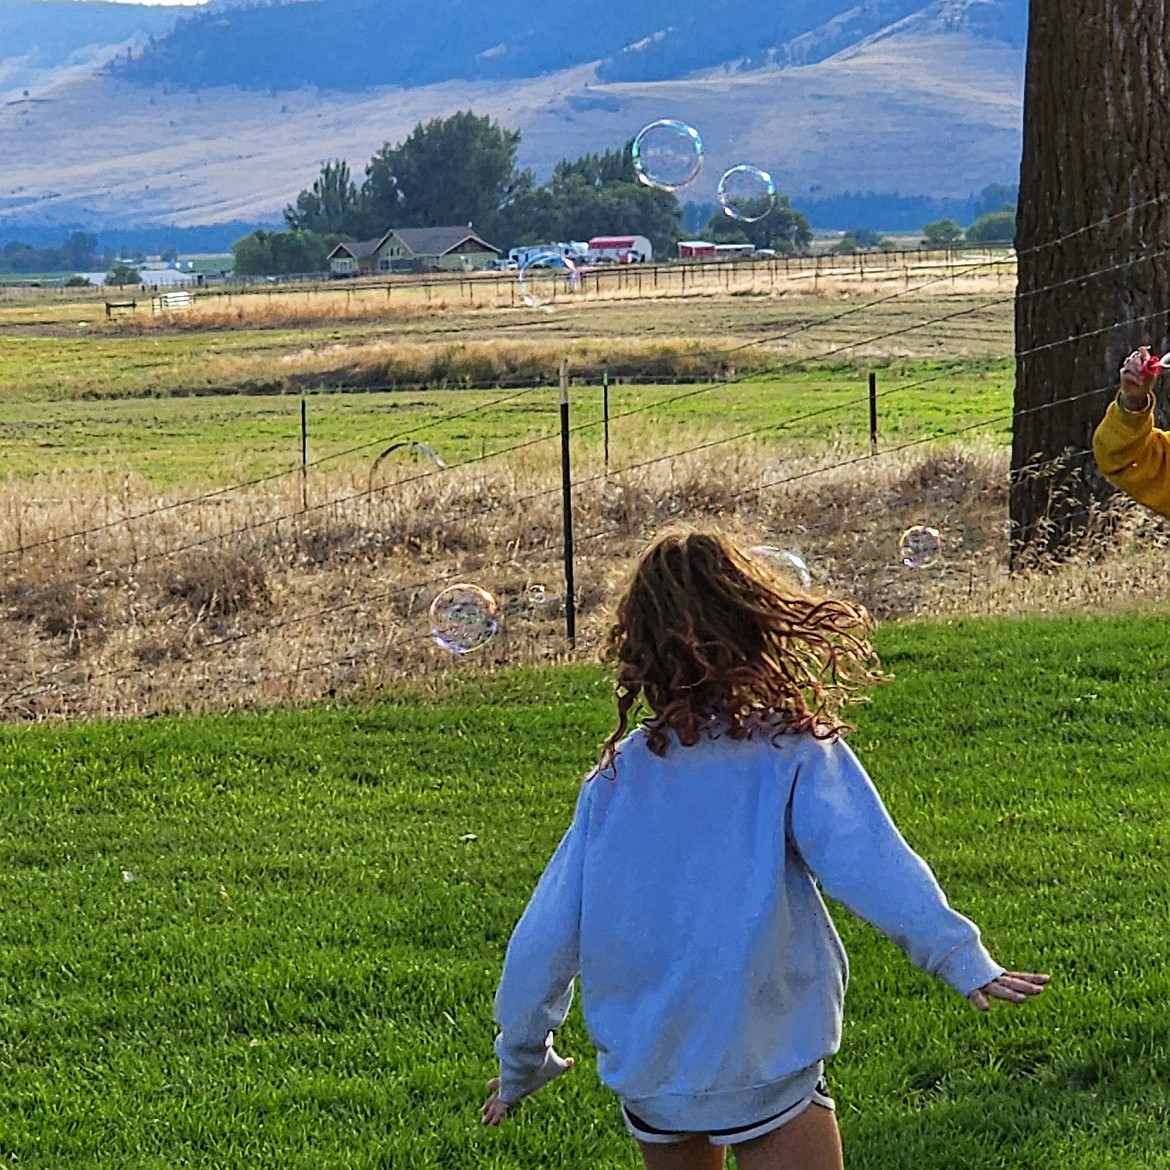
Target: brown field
[119, 602]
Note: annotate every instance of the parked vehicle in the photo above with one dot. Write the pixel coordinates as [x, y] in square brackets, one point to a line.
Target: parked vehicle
[524, 255]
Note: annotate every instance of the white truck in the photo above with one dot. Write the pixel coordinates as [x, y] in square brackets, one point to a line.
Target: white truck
[574, 251]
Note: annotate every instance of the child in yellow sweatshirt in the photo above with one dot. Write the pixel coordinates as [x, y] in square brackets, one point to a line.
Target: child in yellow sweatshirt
[1131, 453]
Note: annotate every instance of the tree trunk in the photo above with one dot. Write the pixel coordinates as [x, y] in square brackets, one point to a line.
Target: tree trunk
[1093, 239]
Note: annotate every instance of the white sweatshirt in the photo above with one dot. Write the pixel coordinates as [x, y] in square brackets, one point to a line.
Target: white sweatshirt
[712, 978]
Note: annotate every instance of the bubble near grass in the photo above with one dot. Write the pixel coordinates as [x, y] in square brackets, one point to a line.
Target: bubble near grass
[667, 154]
[920, 547]
[464, 617]
[546, 275]
[746, 193]
[785, 561]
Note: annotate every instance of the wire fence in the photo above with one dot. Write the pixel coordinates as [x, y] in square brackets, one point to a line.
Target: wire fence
[276, 598]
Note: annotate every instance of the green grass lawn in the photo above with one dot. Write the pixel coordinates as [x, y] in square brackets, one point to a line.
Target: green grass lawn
[264, 940]
[220, 439]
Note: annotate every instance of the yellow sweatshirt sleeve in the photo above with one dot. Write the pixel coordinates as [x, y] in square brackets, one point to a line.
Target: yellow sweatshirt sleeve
[1133, 455]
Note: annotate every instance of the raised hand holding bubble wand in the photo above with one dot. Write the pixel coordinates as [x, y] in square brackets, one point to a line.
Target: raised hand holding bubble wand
[1131, 452]
[1138, 374]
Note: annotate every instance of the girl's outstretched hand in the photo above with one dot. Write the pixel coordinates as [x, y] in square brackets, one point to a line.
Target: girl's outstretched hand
[1014, 986]
[494, 1110]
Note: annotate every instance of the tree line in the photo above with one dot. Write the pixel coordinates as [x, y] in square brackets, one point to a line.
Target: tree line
[78, 253]
[463, 170]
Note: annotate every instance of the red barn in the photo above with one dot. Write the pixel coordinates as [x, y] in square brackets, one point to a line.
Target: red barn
[695, 250]
[619, 250]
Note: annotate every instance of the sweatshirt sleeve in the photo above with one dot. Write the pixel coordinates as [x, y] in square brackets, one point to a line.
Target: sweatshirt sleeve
[848, 841]
[536, 987]
[1133, 455]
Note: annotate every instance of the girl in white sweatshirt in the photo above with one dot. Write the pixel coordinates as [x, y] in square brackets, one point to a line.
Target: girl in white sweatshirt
[685, 893]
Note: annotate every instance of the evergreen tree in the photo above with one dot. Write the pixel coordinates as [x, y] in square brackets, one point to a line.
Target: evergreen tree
[330, 205]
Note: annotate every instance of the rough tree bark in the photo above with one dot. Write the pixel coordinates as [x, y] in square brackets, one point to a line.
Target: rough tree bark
[1093, 238]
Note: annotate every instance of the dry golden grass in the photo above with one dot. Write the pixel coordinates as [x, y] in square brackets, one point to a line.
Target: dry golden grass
[250, 600]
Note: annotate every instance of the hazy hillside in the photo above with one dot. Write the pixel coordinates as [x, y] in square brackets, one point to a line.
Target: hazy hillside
[355, 45]
[873, 115]
[39, 39]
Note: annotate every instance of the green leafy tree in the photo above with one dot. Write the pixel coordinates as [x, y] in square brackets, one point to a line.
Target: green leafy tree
[941, 233]
[594, 195]
[22, 257]
[865, 238]
[783, 228]
[456, 170]
[80, 250]
[332, 205]
[122, 274]
[997, 197]
[997, 227]
[845, 245]
[275, 253]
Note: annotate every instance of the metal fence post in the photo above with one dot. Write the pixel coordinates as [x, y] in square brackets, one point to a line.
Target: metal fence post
[304, 451]
[605, 414]
[567, 506]
[872, 413]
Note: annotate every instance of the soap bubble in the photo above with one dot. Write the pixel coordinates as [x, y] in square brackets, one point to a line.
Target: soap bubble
[429, 452]
[785, 561]
[667, 154]
[543, 276]
[920, 547]
[746, 193]
[464, 617]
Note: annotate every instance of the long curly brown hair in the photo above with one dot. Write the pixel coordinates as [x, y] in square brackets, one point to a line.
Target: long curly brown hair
[709, 634]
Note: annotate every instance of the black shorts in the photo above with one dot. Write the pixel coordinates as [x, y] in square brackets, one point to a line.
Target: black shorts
[645, 1132]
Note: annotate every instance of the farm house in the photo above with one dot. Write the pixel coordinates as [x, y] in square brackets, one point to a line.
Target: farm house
[411, 249]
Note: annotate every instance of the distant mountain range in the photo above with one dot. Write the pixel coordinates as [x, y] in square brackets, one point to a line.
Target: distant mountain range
[145, 115]
[43, 40]
[355, 45]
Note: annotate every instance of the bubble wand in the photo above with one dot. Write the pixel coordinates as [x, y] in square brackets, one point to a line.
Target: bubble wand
[1153, 366]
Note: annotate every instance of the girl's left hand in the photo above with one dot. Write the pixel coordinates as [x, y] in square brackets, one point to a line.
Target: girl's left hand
[494, 1110]
[1014, 986]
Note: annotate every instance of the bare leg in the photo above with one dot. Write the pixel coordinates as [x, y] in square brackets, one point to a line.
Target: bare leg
[696, 1153]
[808, 1142]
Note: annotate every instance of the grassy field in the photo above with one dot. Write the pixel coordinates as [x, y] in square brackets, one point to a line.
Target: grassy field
[60, 346]
[197, 442]
[272, 940]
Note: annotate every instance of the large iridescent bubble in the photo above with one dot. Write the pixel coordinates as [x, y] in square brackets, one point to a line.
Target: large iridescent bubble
[667, 154]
